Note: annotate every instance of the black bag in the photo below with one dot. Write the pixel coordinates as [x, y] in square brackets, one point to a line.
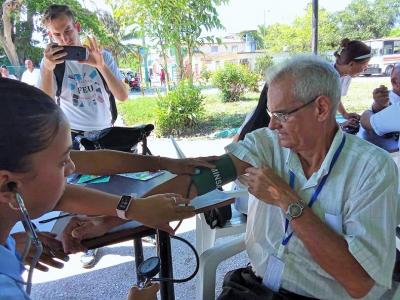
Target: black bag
[59, 71]
[217, 217]
[117, 138]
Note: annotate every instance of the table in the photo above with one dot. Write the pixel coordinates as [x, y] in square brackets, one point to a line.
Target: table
[134, 230]
[389, 144]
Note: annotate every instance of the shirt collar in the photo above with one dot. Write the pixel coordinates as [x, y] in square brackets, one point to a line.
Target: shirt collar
[10, 261]
[293, 162]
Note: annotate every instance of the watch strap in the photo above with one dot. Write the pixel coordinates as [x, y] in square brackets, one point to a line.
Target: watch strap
[123, 206]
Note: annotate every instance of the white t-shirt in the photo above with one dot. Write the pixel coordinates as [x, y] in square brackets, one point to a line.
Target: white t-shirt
[344, 82]
[83, 98]
[359, 197]
[387, 120]
[393, 97]
[32, 78]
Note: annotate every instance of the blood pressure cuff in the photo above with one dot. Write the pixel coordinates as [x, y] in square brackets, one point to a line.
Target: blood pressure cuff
[211, 179]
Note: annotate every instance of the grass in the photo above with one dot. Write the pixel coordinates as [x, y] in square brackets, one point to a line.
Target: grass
[219, 115]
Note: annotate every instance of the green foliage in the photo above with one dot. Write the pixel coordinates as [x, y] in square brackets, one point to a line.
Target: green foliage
[296, 38]
[368, 19]
[263, 63]
[233, 80]
[394, 32]
[179, 110]
[205, 75]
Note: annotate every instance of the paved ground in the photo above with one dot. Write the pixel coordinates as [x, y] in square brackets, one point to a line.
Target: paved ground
[114, 273]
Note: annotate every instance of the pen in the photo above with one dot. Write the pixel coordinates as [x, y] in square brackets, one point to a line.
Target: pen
[56, 218]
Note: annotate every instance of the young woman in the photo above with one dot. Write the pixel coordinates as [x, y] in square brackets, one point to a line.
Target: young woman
[256, 119]
[35, 147]
[351, 60]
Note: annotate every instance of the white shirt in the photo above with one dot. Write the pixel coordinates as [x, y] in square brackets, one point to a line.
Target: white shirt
[84, 99]
[387, 120]
[345, 81]
[360, 193]
[393, 97]
[32, 78]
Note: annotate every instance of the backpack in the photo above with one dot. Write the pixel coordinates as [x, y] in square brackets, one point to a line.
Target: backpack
[59, 71]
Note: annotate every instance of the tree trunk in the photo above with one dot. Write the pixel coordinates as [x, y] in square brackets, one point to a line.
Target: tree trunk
[190, 55]
[179, 59]
[9, 6]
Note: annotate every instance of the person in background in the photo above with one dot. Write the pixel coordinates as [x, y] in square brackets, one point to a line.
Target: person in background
[162, 77]
[6, 74]
[383, 117]
[351, 60]
[31, 75]
[84, 98]
[256, 119]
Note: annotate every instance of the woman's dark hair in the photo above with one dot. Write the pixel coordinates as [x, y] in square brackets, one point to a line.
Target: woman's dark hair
[352, 51]
[29, 120]
[260, 117]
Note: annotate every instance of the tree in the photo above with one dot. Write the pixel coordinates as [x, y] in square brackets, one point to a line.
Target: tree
[19, 19]
[367, 19]
[296, 38]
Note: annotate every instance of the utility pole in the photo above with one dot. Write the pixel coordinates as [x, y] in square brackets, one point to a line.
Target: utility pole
[314, 41]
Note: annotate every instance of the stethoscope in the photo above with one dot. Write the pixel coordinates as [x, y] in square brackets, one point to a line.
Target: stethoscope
[33, 238]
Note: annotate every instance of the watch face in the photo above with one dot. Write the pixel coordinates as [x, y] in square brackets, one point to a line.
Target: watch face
[124, 203]
[295, 210]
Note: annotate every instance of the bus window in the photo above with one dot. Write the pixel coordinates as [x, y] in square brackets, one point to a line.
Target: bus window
[387, 47]
[396, 47]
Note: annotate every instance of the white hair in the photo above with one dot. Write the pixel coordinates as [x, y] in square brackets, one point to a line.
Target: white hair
[312, 77]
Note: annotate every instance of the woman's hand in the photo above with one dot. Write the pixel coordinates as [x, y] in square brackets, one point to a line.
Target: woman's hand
[157, 211]
[81, 228]
[264, 184]
[187, 165]
[52, 250]
[146, 293]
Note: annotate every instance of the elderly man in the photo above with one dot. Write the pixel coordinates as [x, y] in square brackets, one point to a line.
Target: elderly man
[31, 75]
[323, 204]
[5, 73]
[383, 117]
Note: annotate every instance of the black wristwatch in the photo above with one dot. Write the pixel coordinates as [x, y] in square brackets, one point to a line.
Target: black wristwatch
[294, 210]
[123, 206]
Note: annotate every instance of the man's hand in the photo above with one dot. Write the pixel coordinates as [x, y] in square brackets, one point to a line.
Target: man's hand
[352, 116]
[187, 166]
[146, 293]
[52, 250]
[269, 187]
[80, 228]
[381, 98]
[53, 55]
[95, 58]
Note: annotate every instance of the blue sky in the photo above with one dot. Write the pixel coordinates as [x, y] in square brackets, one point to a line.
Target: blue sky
[239, 15]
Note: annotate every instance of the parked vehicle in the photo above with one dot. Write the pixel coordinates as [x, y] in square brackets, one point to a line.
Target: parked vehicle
[132, 79]
[386, 53]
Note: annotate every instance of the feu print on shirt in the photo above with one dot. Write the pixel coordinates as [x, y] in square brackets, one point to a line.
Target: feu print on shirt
[85, 89]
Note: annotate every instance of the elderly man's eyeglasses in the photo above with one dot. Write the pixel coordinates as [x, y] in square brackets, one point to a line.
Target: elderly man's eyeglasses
[283, 116]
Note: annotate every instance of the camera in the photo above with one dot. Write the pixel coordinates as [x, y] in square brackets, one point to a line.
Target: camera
[74, 52]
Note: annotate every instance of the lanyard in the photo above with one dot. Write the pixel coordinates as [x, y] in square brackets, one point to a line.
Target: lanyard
[314, 196]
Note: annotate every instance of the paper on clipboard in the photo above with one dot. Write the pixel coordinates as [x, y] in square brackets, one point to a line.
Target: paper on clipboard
[215, 197]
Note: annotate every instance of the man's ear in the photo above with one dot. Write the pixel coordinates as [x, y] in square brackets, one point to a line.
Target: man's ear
[78, 26]
[324, 108]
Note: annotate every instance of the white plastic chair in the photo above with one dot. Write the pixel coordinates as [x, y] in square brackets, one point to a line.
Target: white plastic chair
[209, 261]
[205, 236]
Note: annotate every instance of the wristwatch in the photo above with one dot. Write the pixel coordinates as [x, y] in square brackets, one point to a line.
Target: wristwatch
[123, 206]
[294, 210]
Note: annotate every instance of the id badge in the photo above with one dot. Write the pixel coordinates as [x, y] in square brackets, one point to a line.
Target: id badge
[273, 274]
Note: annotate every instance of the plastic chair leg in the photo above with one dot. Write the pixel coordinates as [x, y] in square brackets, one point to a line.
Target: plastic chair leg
[209, 261]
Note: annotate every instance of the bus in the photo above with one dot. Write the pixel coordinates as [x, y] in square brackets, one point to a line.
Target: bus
[385, 54]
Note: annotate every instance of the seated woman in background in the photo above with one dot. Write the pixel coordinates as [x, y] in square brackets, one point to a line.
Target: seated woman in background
[35, 146]
[256, 119]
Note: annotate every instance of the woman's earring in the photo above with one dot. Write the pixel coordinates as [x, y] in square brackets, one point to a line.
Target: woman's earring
[12, 206]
